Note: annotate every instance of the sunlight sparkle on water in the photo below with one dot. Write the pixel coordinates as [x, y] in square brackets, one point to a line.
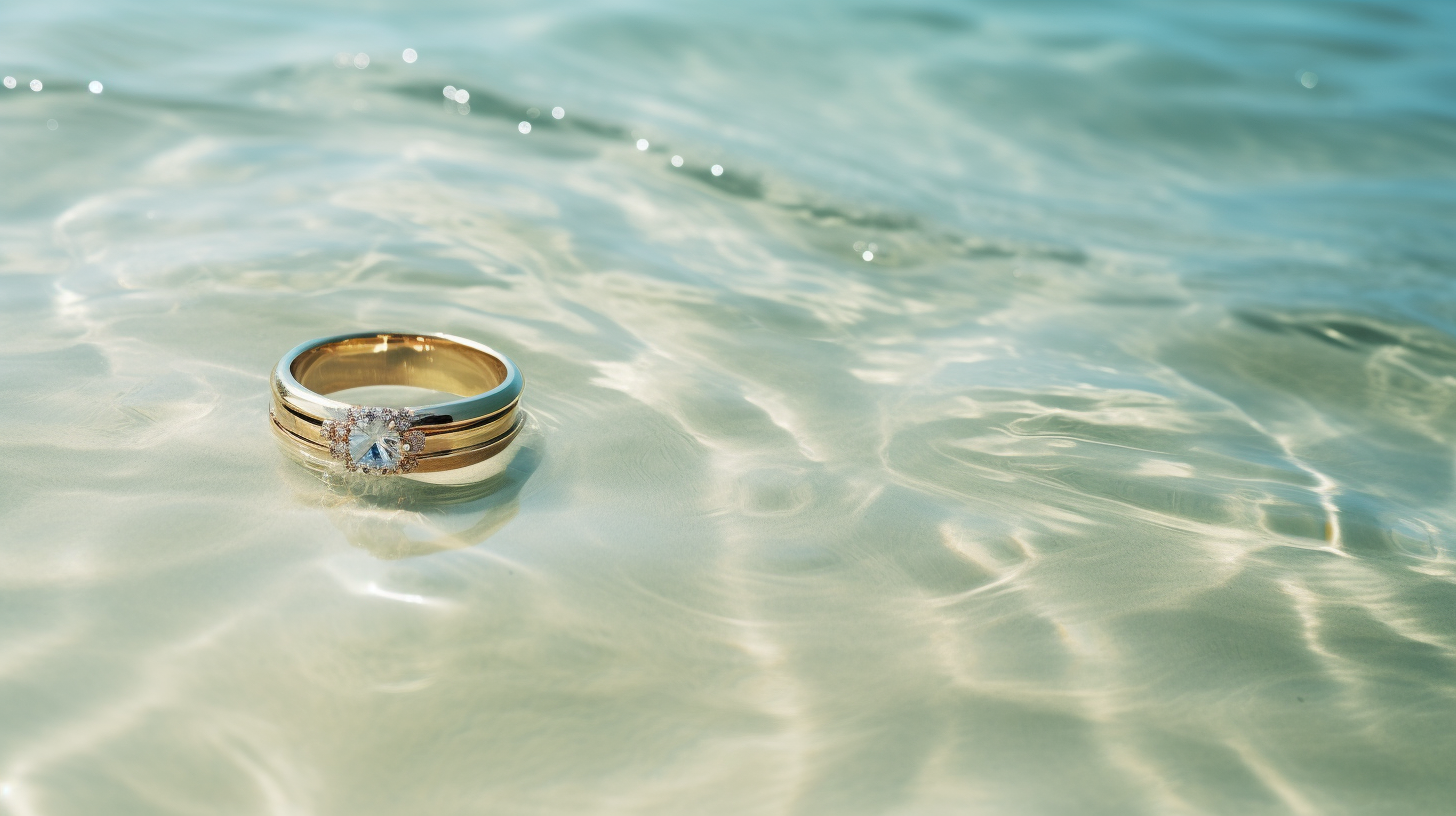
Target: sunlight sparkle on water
[361, 61]
[35, 85]
[10, 82]
[868, 256]
[1308, 79]
[677, 161]
[558, 112]
[94, 87]
[377, 591]
[524, 127]
[717, 169]
[410, 55]
[641, 144]
[462, 96]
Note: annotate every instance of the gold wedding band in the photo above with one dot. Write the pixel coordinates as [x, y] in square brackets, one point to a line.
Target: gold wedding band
[391, 441]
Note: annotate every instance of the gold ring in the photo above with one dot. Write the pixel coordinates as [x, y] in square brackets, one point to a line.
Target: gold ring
[390, 441]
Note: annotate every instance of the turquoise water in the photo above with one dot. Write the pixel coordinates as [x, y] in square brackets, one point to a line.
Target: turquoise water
[1116, 479]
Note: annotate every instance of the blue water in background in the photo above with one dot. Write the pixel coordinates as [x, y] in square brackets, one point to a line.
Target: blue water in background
[1048, 409]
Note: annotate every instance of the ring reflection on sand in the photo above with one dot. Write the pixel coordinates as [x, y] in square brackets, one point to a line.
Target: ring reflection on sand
[409, 516]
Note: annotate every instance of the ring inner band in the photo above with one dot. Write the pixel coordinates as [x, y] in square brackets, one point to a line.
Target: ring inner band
[436, 363]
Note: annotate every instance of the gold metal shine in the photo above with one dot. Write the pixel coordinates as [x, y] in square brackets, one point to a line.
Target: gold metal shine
[483, 422]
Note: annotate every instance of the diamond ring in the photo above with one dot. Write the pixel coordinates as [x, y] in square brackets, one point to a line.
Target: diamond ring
[381, 441]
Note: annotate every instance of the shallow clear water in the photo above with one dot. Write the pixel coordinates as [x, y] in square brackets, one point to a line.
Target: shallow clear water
[1118, 480]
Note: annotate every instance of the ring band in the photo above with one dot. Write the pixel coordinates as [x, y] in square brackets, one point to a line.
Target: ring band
[389, 441]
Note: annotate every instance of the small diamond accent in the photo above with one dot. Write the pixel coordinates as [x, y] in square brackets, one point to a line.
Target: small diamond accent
[374, 441]
[374, 444]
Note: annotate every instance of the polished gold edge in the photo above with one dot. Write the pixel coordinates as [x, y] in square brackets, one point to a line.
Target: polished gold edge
[487, 380]
[428, 422]
[426, 462]
[438, 438]
[283, 398]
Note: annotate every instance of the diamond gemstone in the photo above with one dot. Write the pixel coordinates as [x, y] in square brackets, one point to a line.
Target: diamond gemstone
[373, 444]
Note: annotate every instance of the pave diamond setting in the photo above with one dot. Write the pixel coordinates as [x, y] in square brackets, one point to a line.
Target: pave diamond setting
[376, 441]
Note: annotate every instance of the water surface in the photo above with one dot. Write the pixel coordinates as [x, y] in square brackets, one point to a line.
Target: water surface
[1048, 410]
